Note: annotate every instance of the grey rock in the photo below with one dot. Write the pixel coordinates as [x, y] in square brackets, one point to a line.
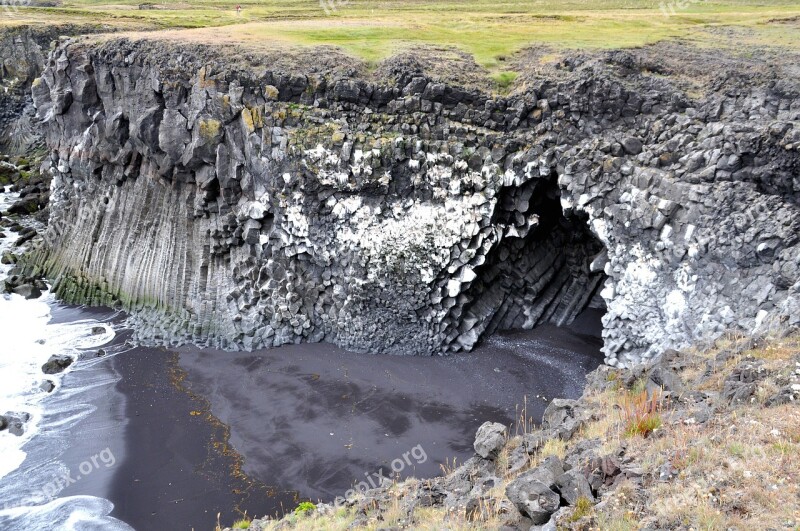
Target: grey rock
[56, 364]
[563, 417]
[29, 291]
[573, 485]
[533, 498]
[535, 440]
[741, 384]
[627, 202]
[14, 422]
[549, 526]
[787, 394]
[490, 439]
[601, 471]
[631, 145]
[547, 471]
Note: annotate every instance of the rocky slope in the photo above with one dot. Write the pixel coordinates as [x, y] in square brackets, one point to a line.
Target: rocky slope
[699, 439]
[247, 201]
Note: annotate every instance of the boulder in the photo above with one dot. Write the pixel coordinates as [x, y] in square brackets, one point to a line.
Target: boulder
[601, 471]
[631, 145]
[573, 485]
[15, 422]
[562, 416]
[490, 439]
[663, 379]
[548, 470]
[741, 384]
[47, 386]
[29, 291]
[787, 394]
[56, 364]
[28, 205]
[533, 498]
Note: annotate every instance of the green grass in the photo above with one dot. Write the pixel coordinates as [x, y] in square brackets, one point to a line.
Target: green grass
[490, 31]
[241, 524]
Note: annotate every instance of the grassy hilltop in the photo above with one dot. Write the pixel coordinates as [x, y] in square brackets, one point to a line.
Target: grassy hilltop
[489, 30]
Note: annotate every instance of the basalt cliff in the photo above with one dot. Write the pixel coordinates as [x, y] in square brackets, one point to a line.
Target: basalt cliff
[246, 201]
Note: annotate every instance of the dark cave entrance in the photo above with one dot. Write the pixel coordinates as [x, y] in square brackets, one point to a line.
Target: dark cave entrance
[548, 268]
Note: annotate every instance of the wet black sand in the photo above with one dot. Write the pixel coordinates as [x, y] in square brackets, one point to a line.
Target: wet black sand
[200, 432]
[316, 419]
[178, 472]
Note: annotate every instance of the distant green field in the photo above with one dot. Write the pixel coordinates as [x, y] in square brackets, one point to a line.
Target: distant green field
[373, 29]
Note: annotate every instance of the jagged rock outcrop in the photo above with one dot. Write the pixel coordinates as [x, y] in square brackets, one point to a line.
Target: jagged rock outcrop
[23, 51]
[246, 206]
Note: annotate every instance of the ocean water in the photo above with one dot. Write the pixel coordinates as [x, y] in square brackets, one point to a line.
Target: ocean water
[33, 476]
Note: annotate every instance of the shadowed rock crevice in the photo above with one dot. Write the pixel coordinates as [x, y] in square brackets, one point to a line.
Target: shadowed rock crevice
[547, 269]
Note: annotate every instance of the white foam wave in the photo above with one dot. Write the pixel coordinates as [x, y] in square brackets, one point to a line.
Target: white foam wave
[28, 341]
[30, 462]
[73, 513]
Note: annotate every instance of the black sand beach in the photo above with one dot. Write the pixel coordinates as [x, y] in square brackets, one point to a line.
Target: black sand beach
[200, 432]
[178, 472]
[317, 419]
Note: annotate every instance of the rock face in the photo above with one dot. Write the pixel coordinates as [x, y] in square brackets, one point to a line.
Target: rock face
[242, 207]
[23, 50]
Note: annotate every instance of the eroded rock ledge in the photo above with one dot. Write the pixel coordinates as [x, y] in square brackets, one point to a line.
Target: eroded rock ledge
[243, 206]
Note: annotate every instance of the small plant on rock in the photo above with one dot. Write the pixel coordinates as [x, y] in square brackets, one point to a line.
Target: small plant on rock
[304, 508]
[583, 507]
[640, 413]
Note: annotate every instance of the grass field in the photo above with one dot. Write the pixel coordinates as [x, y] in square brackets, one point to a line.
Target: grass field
[491, 31]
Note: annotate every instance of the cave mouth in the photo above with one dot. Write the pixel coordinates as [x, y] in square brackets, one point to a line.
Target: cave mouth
[547, 269]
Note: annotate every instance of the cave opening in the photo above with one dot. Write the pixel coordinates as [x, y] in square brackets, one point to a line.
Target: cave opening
[547, 268]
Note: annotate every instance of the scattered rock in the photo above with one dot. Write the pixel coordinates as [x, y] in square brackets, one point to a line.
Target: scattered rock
[28, 291]
[740, 384]
[601, 471]
[787, 394]
[563, 417]
[15, 422]
[533, 498]
[56, 364]
[47, 386]
[490, 439]
[573, 485]
[632, 146]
